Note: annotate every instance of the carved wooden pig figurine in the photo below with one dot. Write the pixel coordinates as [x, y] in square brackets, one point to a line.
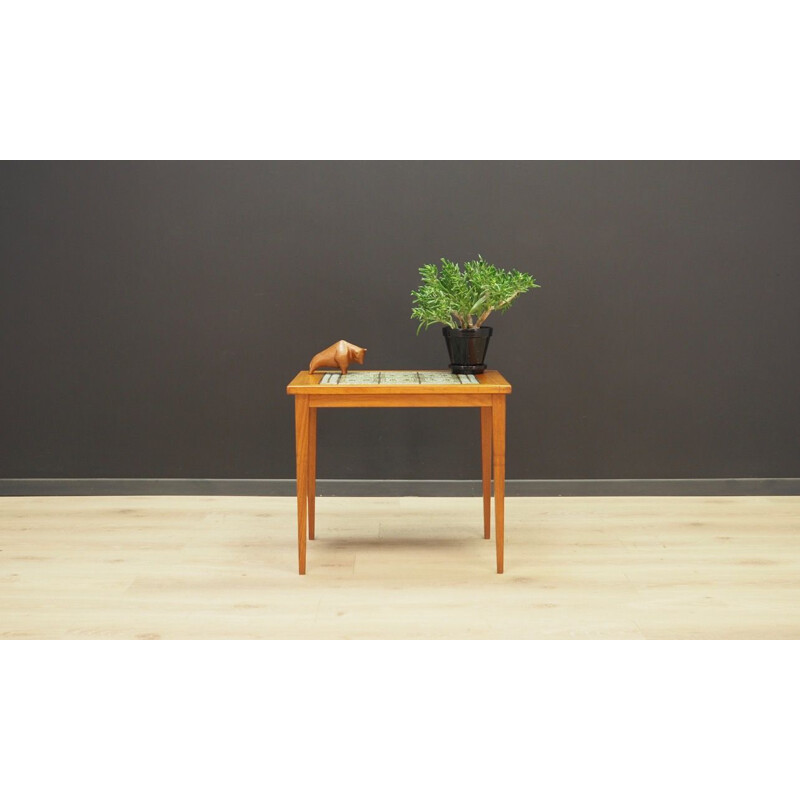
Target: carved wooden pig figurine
[339, 355]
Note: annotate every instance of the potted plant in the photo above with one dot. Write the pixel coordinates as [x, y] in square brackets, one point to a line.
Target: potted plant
[461, 300]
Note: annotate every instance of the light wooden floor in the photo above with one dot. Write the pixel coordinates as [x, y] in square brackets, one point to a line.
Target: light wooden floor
[399, 568]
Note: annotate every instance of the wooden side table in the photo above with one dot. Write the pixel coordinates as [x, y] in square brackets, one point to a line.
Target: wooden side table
[395, 389]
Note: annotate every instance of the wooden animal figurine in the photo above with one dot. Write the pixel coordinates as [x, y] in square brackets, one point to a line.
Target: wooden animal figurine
[339, 354]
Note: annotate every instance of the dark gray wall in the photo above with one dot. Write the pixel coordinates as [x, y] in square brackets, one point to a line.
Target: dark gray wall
[151, 315]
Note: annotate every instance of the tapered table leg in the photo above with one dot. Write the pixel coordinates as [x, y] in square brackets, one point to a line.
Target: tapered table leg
[499, 459]
[312, 468]
[486, 466]
[301, 450]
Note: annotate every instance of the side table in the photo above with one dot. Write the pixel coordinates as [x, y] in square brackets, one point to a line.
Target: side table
[400, 389]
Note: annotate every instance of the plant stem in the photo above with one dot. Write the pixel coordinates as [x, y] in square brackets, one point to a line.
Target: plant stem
[483, 316]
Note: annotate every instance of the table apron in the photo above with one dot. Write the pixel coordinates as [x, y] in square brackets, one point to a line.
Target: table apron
[400, 400]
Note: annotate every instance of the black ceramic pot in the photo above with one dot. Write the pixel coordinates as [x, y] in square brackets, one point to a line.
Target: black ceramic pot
[467, 349]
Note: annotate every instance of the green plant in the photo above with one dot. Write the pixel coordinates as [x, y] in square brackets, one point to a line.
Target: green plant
[464, 299]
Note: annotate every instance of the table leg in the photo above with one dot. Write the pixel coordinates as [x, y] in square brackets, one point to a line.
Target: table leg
[312, 468]
[301, 450]
[499, 458]
[486, 466]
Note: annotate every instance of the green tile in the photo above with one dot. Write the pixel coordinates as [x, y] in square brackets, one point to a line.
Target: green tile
[392, 378]
[437, 377]
[364, 377]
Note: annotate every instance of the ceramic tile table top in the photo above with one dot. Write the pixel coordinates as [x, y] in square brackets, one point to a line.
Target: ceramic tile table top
[396, 378]
[393, 389]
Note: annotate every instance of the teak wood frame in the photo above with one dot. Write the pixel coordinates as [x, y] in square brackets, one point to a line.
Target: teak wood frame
[489, 395]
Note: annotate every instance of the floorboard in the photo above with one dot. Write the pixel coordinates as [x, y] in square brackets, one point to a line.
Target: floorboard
[399, 568]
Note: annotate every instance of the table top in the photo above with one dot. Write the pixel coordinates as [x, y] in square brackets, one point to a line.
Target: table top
[398, 382]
